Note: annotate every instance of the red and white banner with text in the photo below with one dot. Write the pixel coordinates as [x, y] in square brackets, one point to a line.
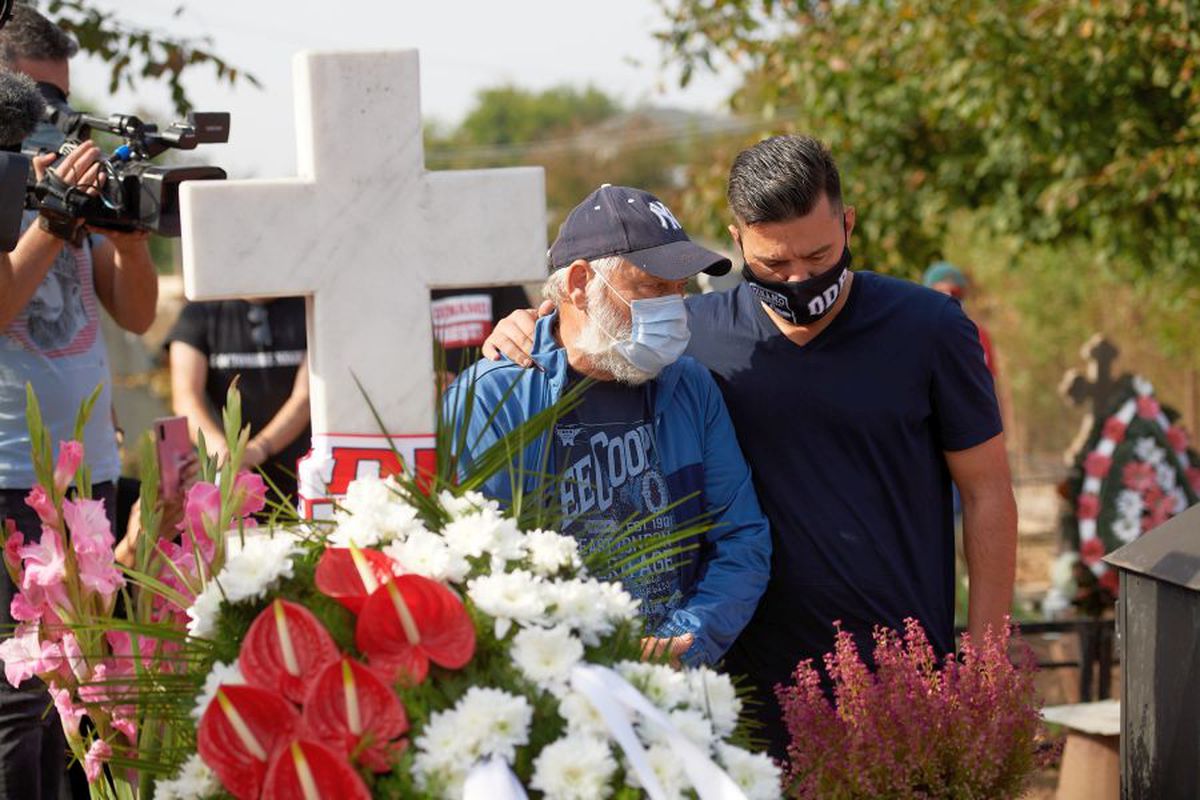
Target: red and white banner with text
[337, 459]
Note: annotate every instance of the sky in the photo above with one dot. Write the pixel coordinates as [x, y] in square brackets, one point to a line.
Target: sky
[465, 46]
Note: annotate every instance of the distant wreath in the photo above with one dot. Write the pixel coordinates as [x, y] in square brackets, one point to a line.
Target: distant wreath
[1139, 475]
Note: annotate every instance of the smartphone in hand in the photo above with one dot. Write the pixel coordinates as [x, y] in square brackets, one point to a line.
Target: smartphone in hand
[173, 446]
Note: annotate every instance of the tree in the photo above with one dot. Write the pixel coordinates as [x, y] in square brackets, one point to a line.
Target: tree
[507, 115]
[1054, 121]
[582, 137]
[135, 54]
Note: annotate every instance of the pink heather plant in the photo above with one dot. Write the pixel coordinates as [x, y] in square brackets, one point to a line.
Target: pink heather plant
[915, 727]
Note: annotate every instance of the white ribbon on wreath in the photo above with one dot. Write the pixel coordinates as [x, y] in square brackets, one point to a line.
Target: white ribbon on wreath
[492, 779]
[617, 701]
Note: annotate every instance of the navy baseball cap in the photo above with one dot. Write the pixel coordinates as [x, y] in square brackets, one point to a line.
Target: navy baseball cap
[636, 225]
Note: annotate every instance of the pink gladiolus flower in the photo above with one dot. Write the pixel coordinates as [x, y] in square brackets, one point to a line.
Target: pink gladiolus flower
[249, 493]
[13, 543]
[100, 576]
[1148, 408]
[92, 540]
[68, 711]
[25, 655]
[43, 601]
[45, 565]
[88, 524]
[184, 561]
[202, 510]
[1178, 438]
[39, 501]
[127, 727]
[74, 656]
[121, 644]
[97, 755]
[23, 610]
[1193, 477]
[70, 455]
[99, 688]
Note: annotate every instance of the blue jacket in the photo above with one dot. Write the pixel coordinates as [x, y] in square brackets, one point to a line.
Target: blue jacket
[723, 577]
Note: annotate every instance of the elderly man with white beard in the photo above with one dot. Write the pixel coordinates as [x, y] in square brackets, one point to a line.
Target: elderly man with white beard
[649, 451]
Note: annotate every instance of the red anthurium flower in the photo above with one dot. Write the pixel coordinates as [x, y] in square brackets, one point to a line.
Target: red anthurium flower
[284, 650]
[306, 770]
[350, 574]
[240, 731]
[348, 703]
[410, 621]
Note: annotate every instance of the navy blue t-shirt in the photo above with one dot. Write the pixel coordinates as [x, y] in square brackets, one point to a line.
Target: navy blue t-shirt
[845, 437]
[611, 479]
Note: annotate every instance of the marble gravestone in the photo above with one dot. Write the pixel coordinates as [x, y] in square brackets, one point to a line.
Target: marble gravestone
[364, 231]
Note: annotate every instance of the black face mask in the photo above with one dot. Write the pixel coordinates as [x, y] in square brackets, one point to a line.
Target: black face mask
[801, 302]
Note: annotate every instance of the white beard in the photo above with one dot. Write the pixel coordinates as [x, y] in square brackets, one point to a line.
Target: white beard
[605, 327]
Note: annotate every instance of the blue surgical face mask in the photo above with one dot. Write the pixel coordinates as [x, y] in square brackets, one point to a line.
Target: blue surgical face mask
[659, 332]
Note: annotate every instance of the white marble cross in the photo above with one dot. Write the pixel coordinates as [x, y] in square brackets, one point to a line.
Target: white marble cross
[365, 232]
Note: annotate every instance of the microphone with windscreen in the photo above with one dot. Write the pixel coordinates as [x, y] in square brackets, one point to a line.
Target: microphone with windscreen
[21, 109]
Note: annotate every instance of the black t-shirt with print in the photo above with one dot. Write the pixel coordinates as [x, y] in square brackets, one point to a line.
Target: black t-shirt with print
[265, 345]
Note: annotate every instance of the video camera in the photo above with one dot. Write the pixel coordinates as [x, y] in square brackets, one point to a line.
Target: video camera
[136, 194]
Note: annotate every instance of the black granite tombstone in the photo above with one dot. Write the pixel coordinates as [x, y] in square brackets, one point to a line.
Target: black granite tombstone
[1158, 620]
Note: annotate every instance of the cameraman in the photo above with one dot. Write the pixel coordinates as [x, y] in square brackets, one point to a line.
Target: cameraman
[50, 294]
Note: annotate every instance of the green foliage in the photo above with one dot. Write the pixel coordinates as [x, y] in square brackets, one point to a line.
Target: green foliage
[1056, 121]
[1040, 303]
[507, 115]
[582, 137]
[136, 54]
